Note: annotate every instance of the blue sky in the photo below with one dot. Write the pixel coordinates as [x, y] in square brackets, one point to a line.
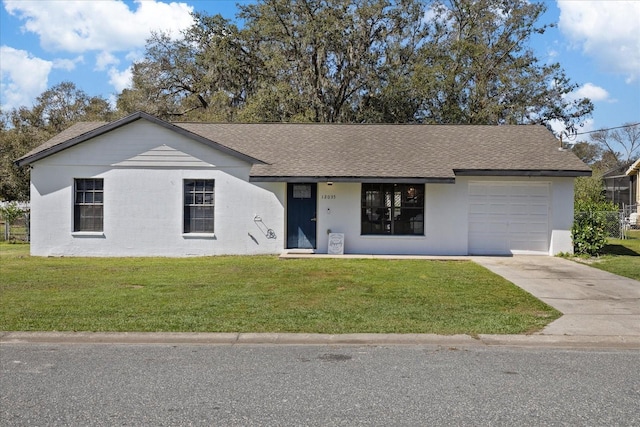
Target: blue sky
[93, 43]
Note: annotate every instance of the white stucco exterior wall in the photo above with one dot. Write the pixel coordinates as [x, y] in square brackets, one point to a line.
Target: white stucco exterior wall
[143, 170]
[562, 215]
[446, 218]
[339, 211]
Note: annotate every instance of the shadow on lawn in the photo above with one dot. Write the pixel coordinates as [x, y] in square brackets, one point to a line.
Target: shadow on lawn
[618, 250]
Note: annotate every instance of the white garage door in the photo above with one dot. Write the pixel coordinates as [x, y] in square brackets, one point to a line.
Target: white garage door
[508, 218]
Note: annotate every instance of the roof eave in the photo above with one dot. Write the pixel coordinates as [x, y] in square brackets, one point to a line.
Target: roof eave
[634, 168]
[522, 172]
[358, 179]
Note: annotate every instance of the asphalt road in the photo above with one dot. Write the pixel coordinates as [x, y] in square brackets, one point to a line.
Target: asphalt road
[224, 385]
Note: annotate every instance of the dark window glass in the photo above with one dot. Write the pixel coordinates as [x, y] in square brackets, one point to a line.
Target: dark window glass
[199, 196]
[88, 210]
[395, 209]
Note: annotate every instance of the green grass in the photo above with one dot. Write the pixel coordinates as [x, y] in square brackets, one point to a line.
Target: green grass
[260, 294]
[621, 256]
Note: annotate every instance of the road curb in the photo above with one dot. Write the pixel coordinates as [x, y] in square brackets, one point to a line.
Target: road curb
[232, 338]
[563, 341]
[453, 341]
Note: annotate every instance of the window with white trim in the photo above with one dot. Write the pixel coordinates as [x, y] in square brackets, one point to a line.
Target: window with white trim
[88, 209]
[395, 209]
[199, 196]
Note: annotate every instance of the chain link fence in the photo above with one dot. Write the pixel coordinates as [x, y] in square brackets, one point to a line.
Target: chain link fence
[14, 222]
[615, 224]
[611, 222]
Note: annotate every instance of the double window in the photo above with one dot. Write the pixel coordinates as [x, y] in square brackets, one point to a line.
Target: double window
[394, 209]
[199, 205]
[88, 209]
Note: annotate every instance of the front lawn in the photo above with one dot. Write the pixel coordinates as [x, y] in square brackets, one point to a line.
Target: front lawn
[621, 256]
[260, 294]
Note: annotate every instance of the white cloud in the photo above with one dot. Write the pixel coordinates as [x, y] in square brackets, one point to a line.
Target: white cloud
[558, 128]
[23, 77]
[67, 64]
[588, 90]
[113, 29]
[104, 60]
[591, 91]
[107, 25]
[586, 127]
[608, 31]
[135, 55]
[120, 80]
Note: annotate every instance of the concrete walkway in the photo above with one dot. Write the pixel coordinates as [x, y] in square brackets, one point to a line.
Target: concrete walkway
[593, 302]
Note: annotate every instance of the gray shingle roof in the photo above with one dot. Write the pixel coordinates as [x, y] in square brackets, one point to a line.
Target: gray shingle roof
[72, 132]
[357, 151]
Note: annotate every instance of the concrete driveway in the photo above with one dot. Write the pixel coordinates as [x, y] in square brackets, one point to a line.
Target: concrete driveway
[593, 302]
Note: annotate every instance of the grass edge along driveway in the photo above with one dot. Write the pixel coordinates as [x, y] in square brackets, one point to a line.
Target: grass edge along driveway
[260, 294]
[620, 256]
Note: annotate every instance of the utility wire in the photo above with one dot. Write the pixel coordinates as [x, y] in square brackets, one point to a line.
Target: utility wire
[603, 130]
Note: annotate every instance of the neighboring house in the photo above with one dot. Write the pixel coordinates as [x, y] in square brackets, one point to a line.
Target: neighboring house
[634, 188]
[141, 186]
[617, 185]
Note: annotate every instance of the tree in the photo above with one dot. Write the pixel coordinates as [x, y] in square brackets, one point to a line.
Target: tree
[588, 152]
[358, 61]
[627, 138]
[307, 60]
[208, 68]
[603, 154]
[335, 59]
[23, 129]
[589, 189]
[476, 67]
[17, 137]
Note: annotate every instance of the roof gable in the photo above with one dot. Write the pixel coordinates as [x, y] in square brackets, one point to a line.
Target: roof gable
[85, 131]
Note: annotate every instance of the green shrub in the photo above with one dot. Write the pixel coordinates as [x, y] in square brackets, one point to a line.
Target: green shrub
[589, 230]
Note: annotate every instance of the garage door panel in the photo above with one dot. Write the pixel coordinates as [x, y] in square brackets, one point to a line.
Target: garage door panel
[538, 190]
[497, 208]
[536, 229]
[491, 244]
[488, 229]
[518, 227]
[508, 217]
[519, 208]
[525, 245]
[540, 209]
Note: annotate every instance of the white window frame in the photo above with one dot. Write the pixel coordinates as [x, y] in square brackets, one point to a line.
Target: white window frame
[199, 200]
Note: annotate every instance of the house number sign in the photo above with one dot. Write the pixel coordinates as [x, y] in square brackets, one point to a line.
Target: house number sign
[329, 196]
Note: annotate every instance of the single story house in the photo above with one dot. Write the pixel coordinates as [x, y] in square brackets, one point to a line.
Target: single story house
[141, 186]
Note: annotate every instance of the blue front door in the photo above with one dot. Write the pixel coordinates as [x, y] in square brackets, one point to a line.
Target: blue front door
[301, 216]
